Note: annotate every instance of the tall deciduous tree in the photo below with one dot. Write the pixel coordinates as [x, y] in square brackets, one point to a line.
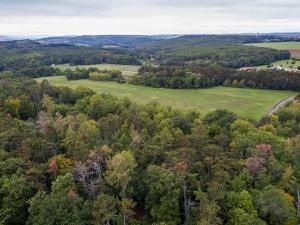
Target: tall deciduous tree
[62, 206]
[275, 206]
[163, 194]
[119, 170]
[15, 191]
[104, 210]
[118, 174]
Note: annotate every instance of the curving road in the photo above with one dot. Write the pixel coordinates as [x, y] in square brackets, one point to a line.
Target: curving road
[280, 104]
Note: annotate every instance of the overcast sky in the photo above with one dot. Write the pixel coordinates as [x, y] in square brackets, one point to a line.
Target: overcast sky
[76, 17]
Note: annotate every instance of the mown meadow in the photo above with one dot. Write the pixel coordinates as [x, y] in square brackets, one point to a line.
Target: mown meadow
[248, 103]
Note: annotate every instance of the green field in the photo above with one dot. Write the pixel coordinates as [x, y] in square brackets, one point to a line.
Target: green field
[285, 64]
[279, 45]
[127, 70]
[249, 103]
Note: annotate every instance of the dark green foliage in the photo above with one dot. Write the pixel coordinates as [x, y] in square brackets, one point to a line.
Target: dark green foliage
[163, 193]
[61, 206]
[275, 206]
[206, 76]
[41, 71]
[223, 50]
[241, 210]
[140, 164]
[76, 157]
[21, 54]
[78, 74]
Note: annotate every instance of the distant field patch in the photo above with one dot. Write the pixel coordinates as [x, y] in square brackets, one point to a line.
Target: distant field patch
[294, 64]
[249, 103]
[279, 45]
[295, 53]
[292, 46]
[127, 70]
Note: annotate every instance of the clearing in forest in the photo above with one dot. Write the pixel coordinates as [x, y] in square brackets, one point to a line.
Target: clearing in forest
[292, 64]
[248, 103]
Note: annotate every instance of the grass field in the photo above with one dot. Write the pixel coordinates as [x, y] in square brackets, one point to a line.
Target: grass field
[127, 70]
[249, 103]
[279, 45]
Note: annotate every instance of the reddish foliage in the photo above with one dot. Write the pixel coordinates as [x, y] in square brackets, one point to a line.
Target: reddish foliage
[255, 164]
[72, 194]
[265, 150]
[181, 166]
[53, 168]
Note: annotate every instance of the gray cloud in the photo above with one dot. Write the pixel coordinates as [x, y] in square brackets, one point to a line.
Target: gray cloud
[92, 7]
[184, 16]
[53, 8]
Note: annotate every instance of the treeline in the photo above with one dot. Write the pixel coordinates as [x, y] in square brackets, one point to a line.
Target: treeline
[265, 79]
[38, 71]
[227, 55]
[88, 56]
[94, 74]
[189, 50]
[180, 77]
[209, 76]
[76, 157]
[16, 55]
[33, 72]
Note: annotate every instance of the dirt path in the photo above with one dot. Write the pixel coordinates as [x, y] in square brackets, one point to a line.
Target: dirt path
[279, 105]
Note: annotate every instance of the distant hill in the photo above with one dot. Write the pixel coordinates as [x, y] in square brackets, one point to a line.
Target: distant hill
[110, 41]
[159, 41]
[22, 37]
[291, 36]
[6, 38]
[200, 40]
[163, 41]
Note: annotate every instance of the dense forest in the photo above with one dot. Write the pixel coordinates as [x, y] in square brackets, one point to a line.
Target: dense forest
[225, 50]
[206, 76]
[76, 157]
[226, 55]
[20, 54]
